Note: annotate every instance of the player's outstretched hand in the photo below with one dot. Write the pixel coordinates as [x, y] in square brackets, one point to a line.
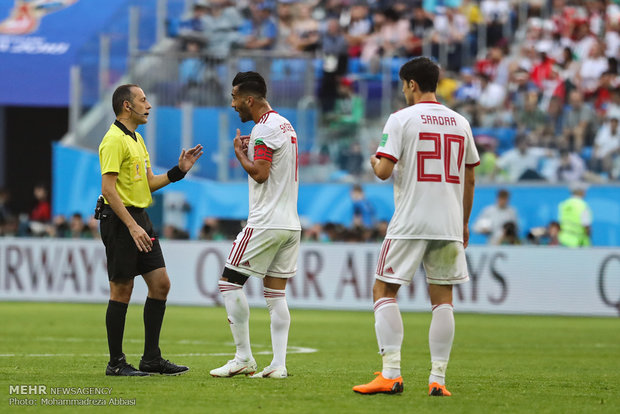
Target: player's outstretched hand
[189, 157]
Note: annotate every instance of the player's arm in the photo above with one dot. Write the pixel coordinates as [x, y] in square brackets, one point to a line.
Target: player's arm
[186, 162]
[259, 168]
[468, 200]
[108, 189]
[382, 166]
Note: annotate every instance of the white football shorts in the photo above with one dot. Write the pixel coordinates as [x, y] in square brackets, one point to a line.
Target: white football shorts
[444, 261]
[265, 252]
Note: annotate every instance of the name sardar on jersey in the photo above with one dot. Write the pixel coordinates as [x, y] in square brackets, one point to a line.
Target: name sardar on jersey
[286, 127]
[438, 120]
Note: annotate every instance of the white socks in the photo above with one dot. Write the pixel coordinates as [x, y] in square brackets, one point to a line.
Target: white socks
[280, 322]
[440, 337]
[389, 329]
[238, 317]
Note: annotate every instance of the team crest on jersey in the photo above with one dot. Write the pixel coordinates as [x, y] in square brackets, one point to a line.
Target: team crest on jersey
[384, 139]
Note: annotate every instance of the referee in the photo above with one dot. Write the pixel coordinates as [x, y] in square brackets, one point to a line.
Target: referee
[127, 232]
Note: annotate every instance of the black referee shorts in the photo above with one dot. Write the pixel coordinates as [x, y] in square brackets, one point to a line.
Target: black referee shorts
[125, 261]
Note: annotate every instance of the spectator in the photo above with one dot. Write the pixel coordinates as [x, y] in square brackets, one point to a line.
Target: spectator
[521, 162]
[93, 226]
[334, 50]
[509, 235]
[171, 232]
[606, 147]
[221, 29]
[530, 117]
[192, 73]
[450, 30]
[583, 40]
[545, 236]
[346, 118]
[364, 214]
[571, 167]
[469, 89]
[496, 14]
[491, 220]
[77, 227]
[41, 214]
[60, 227]
[193, 25]
[575, 219]
[420, 25]
[285, 39]
[210, 230]
[306, 34]
[602, 96]
[359, 28]
[592, 68]
[487, 169]
[42, 210]
[578, 121]
[260, 30]
[5, 211]
[492, 94]
[554, 117]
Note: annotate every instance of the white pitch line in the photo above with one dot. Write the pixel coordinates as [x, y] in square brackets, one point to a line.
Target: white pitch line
[290, 350]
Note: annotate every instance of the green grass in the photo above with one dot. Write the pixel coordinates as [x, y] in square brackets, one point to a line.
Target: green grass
[500, 364]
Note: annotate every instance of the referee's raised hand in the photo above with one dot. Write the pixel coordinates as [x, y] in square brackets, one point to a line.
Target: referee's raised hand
[189, 157]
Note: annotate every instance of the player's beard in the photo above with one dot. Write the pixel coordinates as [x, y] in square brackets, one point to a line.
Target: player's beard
[244, 113]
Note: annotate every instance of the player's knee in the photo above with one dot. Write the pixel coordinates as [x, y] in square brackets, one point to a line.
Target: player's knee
[121, 291]
[232, 276]
[164, 287]
[382, 289]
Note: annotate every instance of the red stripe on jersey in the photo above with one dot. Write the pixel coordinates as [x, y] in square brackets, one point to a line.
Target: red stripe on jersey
[432, 102]
[264, 117]
[241, 248]
[263, 152]
[384, 155]
[473, 165]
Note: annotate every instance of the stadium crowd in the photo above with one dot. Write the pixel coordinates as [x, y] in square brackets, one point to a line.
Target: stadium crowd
[546, 71]
[538, 80]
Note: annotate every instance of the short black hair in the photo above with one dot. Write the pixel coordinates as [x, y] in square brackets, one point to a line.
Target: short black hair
[250, 83]
[423, 71]
[121, 94]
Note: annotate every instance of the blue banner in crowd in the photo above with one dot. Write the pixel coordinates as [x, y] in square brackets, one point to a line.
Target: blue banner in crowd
[39, 41]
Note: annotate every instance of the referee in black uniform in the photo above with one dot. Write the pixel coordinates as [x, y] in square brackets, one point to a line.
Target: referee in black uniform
[127, 232]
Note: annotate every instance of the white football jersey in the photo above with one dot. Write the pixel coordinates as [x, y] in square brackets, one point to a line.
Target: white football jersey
[273, 204]
[431, 144]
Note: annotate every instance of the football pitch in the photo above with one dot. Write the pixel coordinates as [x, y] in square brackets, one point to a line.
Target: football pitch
[499, 364]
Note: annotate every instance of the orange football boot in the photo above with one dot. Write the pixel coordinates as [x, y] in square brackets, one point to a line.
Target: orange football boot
[381, 385]
[437, 390]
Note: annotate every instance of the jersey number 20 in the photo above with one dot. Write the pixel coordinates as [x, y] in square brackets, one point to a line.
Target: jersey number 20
[446, 141]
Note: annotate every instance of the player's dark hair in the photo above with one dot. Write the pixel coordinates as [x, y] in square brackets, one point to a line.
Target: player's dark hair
[250, 83]
[423, 71]
[121, 94]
